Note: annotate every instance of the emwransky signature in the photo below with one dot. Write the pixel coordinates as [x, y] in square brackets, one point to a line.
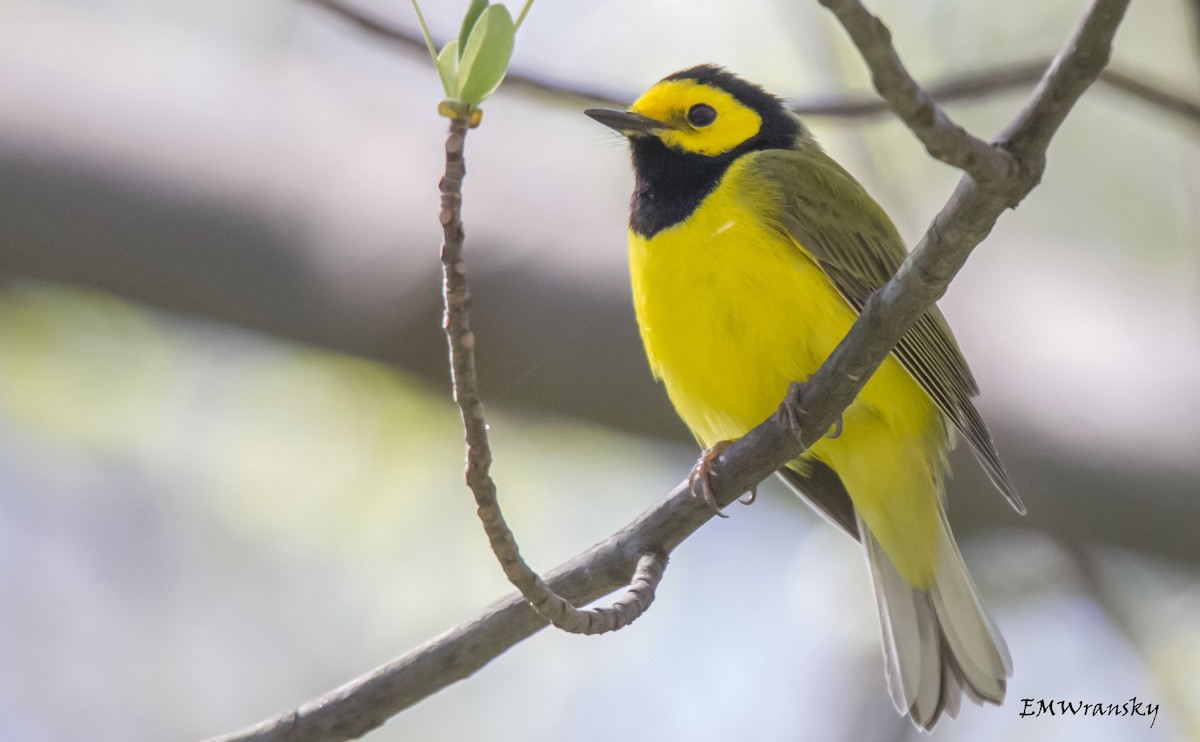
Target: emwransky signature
[1053, 707]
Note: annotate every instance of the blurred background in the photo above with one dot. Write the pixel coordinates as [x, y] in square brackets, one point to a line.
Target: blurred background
[230, 469]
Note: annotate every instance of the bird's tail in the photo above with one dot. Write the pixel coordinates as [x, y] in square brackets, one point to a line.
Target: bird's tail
[939, 643]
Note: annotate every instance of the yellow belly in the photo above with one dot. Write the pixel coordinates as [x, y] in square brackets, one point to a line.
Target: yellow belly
[732, 311]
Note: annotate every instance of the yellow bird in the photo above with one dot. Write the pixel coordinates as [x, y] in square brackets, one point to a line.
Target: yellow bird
[751, 252]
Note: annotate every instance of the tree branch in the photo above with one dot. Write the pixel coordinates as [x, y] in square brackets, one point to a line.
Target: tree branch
[456, 299]
[965, 86]
[411, 40]
[1164, 100]
[993, 81]
[943, 138]
[972, 210]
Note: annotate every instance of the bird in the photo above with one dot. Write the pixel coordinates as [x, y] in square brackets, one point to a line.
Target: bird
[751, 253]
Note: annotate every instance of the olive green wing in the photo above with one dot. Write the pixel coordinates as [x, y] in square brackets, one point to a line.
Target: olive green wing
[836, 221]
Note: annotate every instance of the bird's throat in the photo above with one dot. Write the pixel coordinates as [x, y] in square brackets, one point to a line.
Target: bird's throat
[669, 184]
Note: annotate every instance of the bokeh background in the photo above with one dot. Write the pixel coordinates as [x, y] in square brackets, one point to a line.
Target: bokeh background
[230, 471]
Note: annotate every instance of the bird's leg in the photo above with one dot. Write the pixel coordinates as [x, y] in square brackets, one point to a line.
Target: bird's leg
[793, 411]
[700, 474]
[703, 470]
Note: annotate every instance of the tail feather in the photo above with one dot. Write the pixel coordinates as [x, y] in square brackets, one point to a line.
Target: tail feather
[939, 644]
[969, 630]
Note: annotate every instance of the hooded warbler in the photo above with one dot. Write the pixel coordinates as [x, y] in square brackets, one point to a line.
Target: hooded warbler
[751, 252]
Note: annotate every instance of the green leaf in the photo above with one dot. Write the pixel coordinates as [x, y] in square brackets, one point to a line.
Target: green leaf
[474, 10]
[447, 67]
[484, 61]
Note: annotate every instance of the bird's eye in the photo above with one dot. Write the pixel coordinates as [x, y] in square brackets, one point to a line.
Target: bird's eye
[701, 114]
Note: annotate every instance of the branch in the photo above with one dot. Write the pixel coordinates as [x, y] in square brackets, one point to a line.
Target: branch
[996, 80]
[943, 139]
[1073, 70]
[963, 223]
[972, 210]
[411, 40]
[368, 701]
[1178, 105]
[461, 340]
[965, 86]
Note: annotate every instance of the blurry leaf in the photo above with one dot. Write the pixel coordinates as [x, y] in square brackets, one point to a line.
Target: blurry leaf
[447, 63]
[473, 12]
[485, 59]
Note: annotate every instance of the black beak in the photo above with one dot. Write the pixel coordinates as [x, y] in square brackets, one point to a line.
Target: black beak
[625, 122]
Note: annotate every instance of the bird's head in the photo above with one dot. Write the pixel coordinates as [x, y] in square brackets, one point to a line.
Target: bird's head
[704, 111]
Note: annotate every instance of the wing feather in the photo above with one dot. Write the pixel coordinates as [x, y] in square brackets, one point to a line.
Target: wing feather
[833, 219]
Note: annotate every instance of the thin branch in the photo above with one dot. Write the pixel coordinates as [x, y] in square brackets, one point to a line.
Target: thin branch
[412, 41]
[943, 138]
[972, 210]
[1178, 105]
[1074, 69]
[1005, 78]
[966, 86]
[963, 223]
[464, 381]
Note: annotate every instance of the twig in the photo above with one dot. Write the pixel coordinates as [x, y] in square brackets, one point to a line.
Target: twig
[1181, 106]
[1073, 70]
[965, 86]
[411, 40]
[965, 220]
[457, 301]
[962, 224]
[996, 80]
[943, 138]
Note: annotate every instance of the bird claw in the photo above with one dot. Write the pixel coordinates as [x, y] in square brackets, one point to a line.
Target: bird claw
[792, 408]
[749, 497]
[701, 472]
[836, 431]
[793, 412]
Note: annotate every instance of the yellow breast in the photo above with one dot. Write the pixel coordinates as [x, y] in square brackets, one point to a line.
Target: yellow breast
[731, 310]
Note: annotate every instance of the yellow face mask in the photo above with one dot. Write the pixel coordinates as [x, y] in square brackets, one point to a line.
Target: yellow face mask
[681, 104]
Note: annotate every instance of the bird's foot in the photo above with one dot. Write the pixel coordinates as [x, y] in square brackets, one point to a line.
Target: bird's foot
[698, 477]
[749, 497]
[794, 412]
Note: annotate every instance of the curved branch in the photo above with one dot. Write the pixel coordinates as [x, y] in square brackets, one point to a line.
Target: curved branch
[456, 296]
[367, 702]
